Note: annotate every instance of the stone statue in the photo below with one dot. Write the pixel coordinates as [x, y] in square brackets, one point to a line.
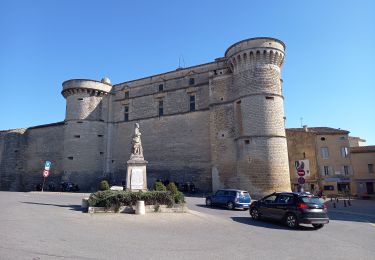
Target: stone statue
[136, 175]
[137, 150]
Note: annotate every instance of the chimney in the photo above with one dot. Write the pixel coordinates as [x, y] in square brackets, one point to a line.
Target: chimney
[305, 128]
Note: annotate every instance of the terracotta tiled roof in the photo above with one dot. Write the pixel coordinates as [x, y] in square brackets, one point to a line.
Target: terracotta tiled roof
[319, 130]
[363, 149]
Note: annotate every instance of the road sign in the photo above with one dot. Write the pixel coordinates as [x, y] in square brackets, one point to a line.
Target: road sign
[301, 173]
[47, 165]
[301, 180]
[45, 173]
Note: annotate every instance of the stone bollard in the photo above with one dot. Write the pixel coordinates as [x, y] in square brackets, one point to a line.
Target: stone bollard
[331, 199]
[344, 203]
[140, 208]
[337, 200]
[349, 203]
[85, 204]
[334, 204]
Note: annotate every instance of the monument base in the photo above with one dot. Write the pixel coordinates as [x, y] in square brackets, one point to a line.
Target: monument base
[136, 179]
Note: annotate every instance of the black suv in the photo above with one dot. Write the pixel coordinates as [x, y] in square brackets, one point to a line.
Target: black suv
[291, 208]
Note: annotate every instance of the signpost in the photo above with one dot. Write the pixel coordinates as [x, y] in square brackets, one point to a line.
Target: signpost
[303, 170]
[47, 167]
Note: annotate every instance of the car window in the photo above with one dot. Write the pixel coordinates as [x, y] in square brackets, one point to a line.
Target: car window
[311, 200]
[233, 193]
[285, 199]
[226, 193]
[245, 194]
[270, 199]
[219, 193]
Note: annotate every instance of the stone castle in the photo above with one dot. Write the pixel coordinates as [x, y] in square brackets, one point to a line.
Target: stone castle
[219, 124]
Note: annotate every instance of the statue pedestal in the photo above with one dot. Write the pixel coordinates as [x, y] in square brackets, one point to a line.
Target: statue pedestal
[136, 179]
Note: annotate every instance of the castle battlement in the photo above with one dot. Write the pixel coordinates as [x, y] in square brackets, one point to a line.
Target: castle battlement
[218, 125]
[255, 52]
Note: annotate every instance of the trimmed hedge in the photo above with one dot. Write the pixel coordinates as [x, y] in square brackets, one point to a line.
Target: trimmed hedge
[115, 199]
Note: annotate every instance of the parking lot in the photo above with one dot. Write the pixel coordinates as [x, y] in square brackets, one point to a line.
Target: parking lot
[52, 226]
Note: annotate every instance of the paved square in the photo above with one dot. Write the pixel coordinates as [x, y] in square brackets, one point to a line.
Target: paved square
[52, 226]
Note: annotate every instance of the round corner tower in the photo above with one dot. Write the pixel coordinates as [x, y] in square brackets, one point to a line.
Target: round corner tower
[84, 133]
[258, 115]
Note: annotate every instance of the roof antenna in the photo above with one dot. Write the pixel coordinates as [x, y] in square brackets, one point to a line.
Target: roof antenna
[179, 61]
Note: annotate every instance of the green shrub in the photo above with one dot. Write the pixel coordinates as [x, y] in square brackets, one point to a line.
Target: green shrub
[104, 185]
[115, 199]
[172, 188]
[159, 186]
[178, 196]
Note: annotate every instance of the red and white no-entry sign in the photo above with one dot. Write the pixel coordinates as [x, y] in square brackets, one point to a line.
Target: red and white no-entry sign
[45, 173]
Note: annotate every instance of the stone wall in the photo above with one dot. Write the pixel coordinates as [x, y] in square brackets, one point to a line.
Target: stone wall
[176, 147]
[23, 153]
[301, 146]
[12, 146]
[234, 138]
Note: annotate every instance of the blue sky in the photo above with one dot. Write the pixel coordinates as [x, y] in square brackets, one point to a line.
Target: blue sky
[329, 71]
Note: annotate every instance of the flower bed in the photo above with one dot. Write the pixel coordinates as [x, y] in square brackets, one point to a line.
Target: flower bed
[114, 201]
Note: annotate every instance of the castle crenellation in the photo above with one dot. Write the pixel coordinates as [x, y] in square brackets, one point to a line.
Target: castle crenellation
[219, 124]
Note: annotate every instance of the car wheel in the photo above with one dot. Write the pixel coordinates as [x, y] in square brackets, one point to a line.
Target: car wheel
[291, 221]
[230, 205]
[208, 202]
[254, 213]
[318, 226]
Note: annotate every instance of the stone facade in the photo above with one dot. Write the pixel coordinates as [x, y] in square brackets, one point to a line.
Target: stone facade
[327, 150]
[219, 124]
[363, 161]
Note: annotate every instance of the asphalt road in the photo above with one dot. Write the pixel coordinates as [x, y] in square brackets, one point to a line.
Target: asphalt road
[51, 226]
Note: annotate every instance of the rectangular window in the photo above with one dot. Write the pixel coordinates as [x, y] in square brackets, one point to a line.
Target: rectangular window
[191, 81]
[126, 113]
[161, 108]
[328, 187]
[161, 87]
[326, 170]
[346, 170]
[344, 151]
[324, 152]
[126, 94]
[370, 167]
[192, 103]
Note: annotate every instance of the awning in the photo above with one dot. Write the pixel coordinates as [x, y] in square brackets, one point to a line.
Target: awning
[337, 180]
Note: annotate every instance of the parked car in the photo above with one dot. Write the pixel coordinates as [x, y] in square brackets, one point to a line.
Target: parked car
[230, 198]
[69, 186]
[187, 187]
[292, 208]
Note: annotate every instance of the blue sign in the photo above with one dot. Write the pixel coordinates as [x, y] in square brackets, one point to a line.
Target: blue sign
[301, 180]
[47, 165]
